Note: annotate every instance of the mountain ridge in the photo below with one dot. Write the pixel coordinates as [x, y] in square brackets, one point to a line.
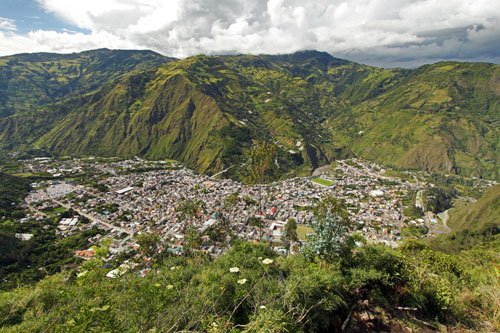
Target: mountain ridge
[206, 111]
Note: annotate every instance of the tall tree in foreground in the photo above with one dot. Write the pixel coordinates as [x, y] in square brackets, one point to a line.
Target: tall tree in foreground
[290, 234]
[261, 168]
[330, 239]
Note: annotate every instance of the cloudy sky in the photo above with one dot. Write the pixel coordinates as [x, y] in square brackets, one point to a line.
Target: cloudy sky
[379, 32]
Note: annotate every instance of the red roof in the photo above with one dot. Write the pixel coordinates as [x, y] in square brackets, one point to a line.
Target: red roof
[85, 253]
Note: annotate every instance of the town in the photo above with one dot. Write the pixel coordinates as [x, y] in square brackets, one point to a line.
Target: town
[127, 198]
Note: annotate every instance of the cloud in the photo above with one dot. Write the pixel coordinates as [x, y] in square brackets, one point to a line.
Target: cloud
[381, 32]
[7, 24]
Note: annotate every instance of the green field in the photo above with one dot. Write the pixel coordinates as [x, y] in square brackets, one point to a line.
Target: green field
[324, 182]
[303, 230]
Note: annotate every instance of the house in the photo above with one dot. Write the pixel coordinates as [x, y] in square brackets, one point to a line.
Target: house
[85, 254]
[271, 213]
[125, 190]
[24, 237]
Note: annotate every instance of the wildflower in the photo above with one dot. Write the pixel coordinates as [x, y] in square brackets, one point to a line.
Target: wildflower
[242, 281]
[234, 269]
[82, 274]
[157, 285]
[173, 268]
[267, 261]
[262, 307]
[214, 324]
[170, 287]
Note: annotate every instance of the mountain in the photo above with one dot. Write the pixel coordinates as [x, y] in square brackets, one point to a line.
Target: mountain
[206, 111]
[441, 117]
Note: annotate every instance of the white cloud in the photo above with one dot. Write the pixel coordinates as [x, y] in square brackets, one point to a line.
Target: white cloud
[385, 32]
[7, 24]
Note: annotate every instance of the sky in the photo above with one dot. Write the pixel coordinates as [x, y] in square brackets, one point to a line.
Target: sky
[388, 33]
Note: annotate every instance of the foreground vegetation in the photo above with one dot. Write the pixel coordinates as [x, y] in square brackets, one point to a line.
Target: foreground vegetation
[249, 289]
[335, 283]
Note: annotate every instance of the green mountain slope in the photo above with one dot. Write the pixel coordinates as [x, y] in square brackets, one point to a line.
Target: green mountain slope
[441, 117]
[31, 80]
[474, 223]
[206, 111]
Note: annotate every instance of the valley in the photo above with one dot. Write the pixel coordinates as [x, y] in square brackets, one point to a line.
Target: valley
[299, 192]
[130, 198]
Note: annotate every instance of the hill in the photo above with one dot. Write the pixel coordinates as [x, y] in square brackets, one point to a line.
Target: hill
[12, 192]
[250, 289]
[207, 111]
[473, 224]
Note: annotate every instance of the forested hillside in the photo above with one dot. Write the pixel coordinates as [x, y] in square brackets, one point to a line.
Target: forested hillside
[207, 110]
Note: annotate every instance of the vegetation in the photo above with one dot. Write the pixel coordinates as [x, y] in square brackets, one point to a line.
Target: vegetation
[330, 240]
[208, 111]
[258, 118]
[265, 293]
[440, 199]
[473, 224]
[25, 262]
[336, 280]
[324, 182]
[12, 192]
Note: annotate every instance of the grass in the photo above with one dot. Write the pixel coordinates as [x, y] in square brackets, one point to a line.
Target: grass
[24, 174]
[303, 230]
[324, 182]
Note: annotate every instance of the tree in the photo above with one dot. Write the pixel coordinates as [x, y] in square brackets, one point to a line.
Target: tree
[290, 233]
[258, 223]
[231, 200]
[190, 208]
[440, 199]
[149, 243]
[261, 169]
[193, 239]
[330, 239]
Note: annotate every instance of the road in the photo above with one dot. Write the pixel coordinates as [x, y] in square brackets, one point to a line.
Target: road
[93, 218]
[221, 172]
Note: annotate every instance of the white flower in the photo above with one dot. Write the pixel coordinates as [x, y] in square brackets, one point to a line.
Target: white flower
[214, 324]
[267, 261]
[173, 268]
[234, 269]
[170, 287]
[82, 274]
[242, 281]
[262, 307]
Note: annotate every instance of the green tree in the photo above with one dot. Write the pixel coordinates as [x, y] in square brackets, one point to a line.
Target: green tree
[290, 233]
[258, 223]
[149, 243]
[231, 200]
[190, 208]
[260, 169]
[330, 239]
[192, 239]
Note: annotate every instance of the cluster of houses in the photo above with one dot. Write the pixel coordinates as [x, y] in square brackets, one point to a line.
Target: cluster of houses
[152, 201]
[137, 196]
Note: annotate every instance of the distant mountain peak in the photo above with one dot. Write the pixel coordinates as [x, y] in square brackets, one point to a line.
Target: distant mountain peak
[318, 58]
